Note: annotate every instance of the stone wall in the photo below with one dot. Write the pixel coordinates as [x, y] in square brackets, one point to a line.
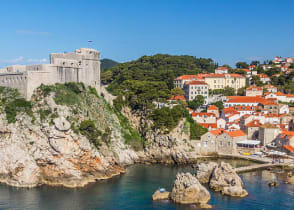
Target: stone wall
[83, 65]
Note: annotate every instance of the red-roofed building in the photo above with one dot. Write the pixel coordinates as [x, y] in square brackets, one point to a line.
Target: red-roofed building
[221, 70]
[204, 117]
[194, 88]
[252, 129]
[253, 90]
[213, 109]
[221, 141]
[270, 88]
[285, 138]
[214, 81]
[209, 126]
[264, 78]
[176, 98]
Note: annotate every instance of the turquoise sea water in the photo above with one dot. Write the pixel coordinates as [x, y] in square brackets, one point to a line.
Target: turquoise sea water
[134, 190]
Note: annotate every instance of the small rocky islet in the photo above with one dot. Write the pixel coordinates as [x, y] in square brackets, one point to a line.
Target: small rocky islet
[188, 188]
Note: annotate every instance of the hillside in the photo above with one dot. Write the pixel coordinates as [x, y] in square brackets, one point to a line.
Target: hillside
[107, 63]
[137, 84]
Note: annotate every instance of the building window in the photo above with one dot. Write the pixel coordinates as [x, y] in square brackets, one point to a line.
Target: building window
[205, 143]
[229, 143]
[221, 143]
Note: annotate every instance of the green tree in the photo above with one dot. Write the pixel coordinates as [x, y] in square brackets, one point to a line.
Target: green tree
[256, 63]
[177, 92]
[242, 65]
[219, 105]
[198, 101]
[106, 77]
[256, 80]
[229, 91]
[241, 91]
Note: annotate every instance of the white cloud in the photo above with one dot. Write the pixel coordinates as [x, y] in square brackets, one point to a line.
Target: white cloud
[32, 60]
[22, 61]
[30, 32]
[13, 60]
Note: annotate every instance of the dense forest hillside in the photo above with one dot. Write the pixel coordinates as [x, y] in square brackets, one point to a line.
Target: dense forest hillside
[151, 77]
[137, 84]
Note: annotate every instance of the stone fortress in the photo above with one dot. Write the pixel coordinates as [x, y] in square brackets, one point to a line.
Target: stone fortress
[83, 65]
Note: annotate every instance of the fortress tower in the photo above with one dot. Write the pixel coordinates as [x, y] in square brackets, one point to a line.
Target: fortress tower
[83, 65]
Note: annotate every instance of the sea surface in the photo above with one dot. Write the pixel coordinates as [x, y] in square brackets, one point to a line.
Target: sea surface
[134, 190]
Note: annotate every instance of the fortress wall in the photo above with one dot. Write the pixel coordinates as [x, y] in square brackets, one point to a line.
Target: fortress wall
[83, 65]
[18, 81]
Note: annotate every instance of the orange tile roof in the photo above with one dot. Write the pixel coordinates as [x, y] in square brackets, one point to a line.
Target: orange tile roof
[212, 107]
[208, 125]
[196, 82]
[218, 131]
[236, 133]
[186, 77]
[247, 70]
[222, 68]
[262, 75]
[269, 86]
[251, 87]
[271, 115]
[202, 76]
[288, 133]
[254, 123]
[200, 114]
[247, 99]
[177, 98]
[289, 148]
[280, 94]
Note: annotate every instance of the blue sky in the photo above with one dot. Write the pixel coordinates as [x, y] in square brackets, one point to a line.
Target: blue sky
[224, 30]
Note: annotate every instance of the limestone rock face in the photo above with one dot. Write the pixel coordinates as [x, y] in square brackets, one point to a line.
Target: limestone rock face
[225, 179]
[36, 151]
[204, 171]
[20, 166]
[61, 124]
[160, 195]
[188, 190]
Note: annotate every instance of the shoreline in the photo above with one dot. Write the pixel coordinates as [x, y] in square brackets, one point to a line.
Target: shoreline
[116, 170]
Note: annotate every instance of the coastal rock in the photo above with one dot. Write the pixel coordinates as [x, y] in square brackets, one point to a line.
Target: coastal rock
[160, 195]
[225, 179]
[188, 190]
[43, 147]
[204, 171]
[17, 167]
[273, 184]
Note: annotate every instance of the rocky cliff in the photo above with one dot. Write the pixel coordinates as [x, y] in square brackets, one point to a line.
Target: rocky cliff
[174, 147]
[66, 136]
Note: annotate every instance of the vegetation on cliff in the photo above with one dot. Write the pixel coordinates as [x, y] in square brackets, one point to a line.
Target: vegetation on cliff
[12, 104]
[89, 114]
[139, 83]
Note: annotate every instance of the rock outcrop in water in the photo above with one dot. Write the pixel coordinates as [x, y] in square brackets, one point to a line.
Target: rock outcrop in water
[221, 177]
[204, 171]
[188, 190]
[225, 179]
[160, 195]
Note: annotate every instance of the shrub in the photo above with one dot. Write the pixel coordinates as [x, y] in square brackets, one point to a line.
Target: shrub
[88, 129]
[15, 106]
